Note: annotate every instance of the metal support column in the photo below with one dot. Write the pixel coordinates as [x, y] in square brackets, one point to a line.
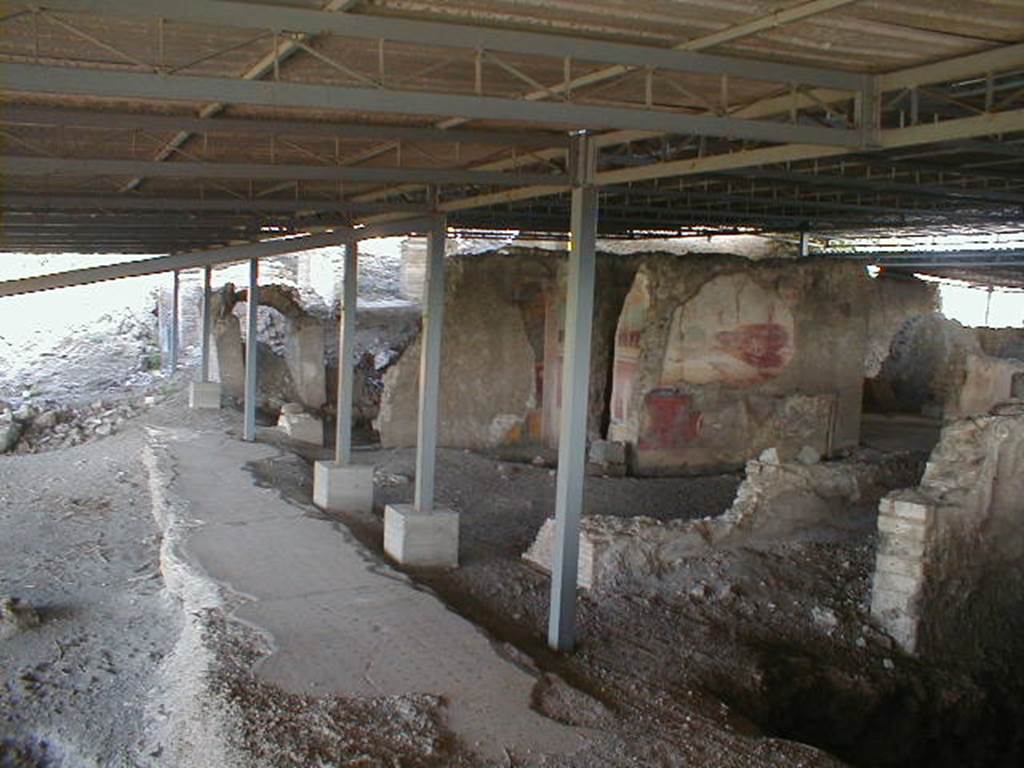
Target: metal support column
[204, 345]
[346, 351]
[251, 352]
[805, 244]
[173, 341]
[572, 437]
[868, 112]
[430, 369]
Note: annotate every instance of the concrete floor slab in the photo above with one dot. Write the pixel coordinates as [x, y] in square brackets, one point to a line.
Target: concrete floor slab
[343, 621]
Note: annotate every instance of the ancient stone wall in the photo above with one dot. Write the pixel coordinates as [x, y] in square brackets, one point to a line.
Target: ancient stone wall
[613, 280]
[492, 344]
[414, 268]
[776, 501]
[697, 361]
[718, 358]
[940, 368]
[1002, 342]
[502, 351]
[949, 577]
[296, 374]
[894, 300]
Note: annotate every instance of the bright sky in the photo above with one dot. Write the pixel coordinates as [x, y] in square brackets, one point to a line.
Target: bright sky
[969, 305]
[38, 321]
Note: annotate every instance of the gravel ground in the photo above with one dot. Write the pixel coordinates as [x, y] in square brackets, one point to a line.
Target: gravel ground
[80, 545]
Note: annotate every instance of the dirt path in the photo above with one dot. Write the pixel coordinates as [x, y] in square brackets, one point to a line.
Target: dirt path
[338, 621]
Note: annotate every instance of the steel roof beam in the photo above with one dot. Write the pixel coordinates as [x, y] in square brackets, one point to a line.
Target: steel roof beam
[968, 127]
[975, 65]
[121, 121]
[994, 60]
[447, 35]
[995, 256]
[170, 263]
[1002, 148]
[38, 203]
[283, 50]
[77, 81]
[16, 165]
[571, 84]
[206, 258]
[881, 185]
[95, 247]
[153, 229]
[781, 202]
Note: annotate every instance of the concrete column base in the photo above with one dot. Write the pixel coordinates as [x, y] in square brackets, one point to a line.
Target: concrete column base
[421, 540]
[302, 428]
[342, 488]
[204, 394]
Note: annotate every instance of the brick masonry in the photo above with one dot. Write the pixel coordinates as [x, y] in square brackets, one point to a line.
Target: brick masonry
[906, 521]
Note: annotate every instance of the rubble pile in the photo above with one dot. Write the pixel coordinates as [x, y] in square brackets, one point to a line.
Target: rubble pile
[33, 428]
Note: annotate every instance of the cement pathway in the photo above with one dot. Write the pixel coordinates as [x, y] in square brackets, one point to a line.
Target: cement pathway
[342, 621]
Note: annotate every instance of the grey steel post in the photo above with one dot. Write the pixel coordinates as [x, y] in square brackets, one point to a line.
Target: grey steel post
[251, 352]
[346, 350]
[430, 369]
[805, 244]
[572, 439]
[204, 364]
[173, 342]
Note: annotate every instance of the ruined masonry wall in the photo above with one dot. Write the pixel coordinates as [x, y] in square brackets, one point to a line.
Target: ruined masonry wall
[894, 299]
[297, 375]
[614, 276]
[940, 368]
[949, 574]
[718, 358]
[776, 501]
[492, 343]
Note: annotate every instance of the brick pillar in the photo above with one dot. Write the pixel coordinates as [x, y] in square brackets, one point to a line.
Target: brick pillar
[906, 522]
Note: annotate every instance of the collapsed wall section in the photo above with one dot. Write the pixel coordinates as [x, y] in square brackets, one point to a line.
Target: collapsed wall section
[777, 501]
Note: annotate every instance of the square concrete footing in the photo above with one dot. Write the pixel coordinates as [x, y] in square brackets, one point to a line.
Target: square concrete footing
[342, 488]
[421, 540]
[302, 427]
[204, 394]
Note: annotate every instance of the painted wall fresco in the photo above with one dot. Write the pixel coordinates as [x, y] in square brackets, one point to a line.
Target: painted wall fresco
[733, 331]
[626, 362]
[670, 420]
